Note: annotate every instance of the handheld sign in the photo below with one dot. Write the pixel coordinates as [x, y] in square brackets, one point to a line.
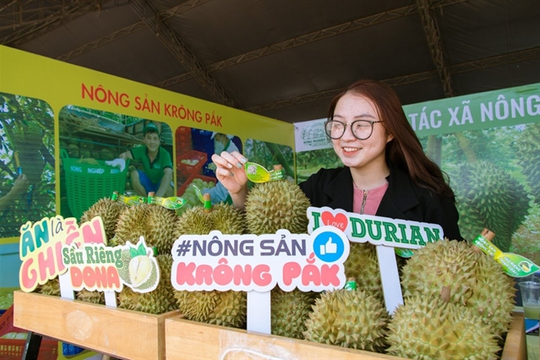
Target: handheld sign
[386, 233]
[257, 264]
[78, 255]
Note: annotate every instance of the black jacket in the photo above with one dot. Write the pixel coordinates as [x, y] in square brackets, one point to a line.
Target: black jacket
[402, 200]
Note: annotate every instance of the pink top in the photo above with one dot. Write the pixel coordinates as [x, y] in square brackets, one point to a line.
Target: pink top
[368, 201]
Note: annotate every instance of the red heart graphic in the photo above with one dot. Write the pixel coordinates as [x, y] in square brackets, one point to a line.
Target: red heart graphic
[340, 220]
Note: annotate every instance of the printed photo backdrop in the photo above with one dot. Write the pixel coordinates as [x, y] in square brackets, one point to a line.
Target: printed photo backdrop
[194, 166]
[269, 154]
[495, 174]
[27, 163]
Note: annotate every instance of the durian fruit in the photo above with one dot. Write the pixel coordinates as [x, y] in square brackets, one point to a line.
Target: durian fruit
[289, 311]
[474, 280]
[194, 221]
[348, 318]
[363, 265]
[131, 225]
[109, 210]
[196, 305]
[157, 301]
[225, 308]
[154, 222]
[442, 263]
[51, 287]
[430, 328]
[94, 297]
[528, 156]
[161, 230]
[489, 196]
[269, 207]
[25, 133]
[73, 150]
[227, 219]
[26, 137]
[166, 261]
[493, 295]
[200, 221]
[276, 205]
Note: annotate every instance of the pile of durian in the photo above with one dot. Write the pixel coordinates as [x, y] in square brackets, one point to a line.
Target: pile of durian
[457, 301]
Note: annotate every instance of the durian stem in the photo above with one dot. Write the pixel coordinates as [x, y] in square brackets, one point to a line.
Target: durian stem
[488, 235]
[207, 202]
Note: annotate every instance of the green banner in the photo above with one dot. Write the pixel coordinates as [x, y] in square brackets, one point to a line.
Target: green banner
[512, 106]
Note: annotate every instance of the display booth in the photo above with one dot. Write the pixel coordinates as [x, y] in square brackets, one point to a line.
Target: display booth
[72, 136]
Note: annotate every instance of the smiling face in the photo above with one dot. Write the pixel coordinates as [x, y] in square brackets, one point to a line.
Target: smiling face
[152, 142]
[360, 154]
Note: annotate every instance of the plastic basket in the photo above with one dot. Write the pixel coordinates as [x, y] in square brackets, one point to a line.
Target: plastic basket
[193, 168]
[12, 349]
[86, 183]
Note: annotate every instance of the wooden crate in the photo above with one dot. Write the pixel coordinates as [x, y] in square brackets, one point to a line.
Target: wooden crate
[515, 346]
[115, 332]
[135, 335]
[189, 340]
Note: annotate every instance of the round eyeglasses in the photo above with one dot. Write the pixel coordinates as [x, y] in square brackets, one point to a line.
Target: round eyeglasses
[361, 129]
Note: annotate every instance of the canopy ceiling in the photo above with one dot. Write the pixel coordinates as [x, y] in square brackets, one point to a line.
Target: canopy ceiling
[285, 59]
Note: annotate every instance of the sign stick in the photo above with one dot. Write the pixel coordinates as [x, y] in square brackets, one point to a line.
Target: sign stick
[389, 277]
[66, 290]
[110, 298]
[258, 312]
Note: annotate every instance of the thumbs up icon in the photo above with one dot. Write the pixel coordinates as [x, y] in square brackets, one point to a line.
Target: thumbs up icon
[329, 248]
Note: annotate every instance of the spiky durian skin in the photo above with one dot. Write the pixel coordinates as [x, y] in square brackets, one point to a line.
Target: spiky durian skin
[443, 263]
[161, 229]
[231, 309]
[166, 263]
[493, 295]
[109, 211]
[154, 222]
[363, 264]
[157, 301]
[348, 318]
[194, 221]
[528, 156]
[226, 308]
[426, 328]
[131, 225]
[228, 219]
[475, 281]
[94, 297]
[488, 196]
[51, 287]
[289, 311]
[196, 305]
[276, 205]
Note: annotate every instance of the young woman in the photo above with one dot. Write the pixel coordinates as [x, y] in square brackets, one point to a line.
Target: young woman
[385, 172]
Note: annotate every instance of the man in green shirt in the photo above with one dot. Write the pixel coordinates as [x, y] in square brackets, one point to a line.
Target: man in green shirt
[157, 173]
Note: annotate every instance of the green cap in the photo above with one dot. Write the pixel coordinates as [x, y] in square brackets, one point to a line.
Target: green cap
[151, 127]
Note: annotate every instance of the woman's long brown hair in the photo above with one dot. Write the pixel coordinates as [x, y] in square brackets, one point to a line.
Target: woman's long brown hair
[405, 149]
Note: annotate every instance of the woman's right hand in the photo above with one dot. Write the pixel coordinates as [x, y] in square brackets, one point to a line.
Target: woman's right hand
[230, 172]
